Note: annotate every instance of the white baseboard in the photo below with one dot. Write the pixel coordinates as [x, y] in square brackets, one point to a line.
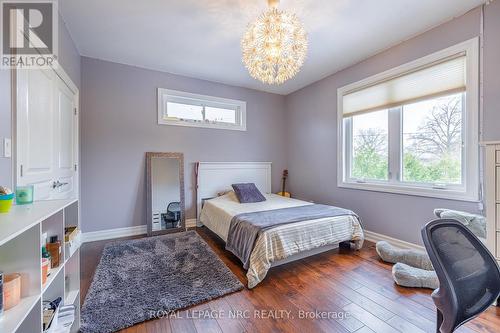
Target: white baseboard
[375, 237]
[113, 233]
[122, 232]
[191, 223]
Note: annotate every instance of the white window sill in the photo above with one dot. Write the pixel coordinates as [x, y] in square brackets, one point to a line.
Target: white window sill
[202, 125]
[412, 190]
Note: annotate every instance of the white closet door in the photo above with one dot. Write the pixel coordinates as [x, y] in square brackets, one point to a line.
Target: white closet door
[65, 141]
[35, 128]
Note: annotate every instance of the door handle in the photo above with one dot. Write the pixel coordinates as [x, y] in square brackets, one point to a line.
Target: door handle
[58, 184]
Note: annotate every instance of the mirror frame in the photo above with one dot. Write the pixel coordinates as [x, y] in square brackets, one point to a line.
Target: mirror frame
[149, 188]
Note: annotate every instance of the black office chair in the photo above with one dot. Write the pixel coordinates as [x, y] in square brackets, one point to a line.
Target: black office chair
[469, 277]
[173, 214]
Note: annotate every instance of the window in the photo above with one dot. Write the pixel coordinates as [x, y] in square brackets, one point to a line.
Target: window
[186, 109]
[414, 129]
[370, 146]
[432, 141]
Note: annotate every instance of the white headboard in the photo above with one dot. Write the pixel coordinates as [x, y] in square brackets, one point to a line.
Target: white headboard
[215, 177]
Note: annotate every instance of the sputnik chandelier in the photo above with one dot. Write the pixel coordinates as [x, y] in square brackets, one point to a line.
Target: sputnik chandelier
[274, 46]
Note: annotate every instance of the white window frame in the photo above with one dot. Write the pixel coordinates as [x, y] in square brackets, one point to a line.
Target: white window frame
[470, 189]
[168, 95]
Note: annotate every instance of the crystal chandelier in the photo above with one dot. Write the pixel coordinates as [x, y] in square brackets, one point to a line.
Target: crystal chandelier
[274, 46]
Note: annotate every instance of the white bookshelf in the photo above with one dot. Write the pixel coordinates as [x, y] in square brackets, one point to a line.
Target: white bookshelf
[20, 252]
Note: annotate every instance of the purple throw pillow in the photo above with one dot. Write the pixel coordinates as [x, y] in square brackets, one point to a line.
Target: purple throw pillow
[247, 193]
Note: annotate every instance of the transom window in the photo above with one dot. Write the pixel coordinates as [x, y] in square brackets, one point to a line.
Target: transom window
[414, 129]
[186, 109]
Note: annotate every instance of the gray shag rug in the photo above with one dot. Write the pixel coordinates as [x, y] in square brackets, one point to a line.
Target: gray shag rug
[137, 279]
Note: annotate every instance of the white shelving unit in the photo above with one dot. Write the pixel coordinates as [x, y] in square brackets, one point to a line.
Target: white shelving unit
[492, 196]
[20, 252]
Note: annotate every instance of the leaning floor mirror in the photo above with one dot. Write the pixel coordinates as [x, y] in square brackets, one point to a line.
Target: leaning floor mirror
[165, 192]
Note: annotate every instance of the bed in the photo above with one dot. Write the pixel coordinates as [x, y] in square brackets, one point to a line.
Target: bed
[279, 244]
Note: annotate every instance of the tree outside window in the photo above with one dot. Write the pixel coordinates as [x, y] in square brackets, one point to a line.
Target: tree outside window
[431, 134]
[432, 140]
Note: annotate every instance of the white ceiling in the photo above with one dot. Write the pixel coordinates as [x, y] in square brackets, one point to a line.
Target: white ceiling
[201, 38]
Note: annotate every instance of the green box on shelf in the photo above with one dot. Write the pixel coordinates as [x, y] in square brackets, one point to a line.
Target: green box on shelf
[24, 195]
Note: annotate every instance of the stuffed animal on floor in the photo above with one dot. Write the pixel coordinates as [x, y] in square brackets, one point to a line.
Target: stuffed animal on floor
[412, 268]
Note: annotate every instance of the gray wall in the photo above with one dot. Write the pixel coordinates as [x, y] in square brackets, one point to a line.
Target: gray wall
[69, 59]
[492, 71]
[312, 135]
[119, 122]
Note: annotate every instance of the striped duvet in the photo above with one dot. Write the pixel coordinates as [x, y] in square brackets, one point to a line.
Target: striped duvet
[283, 241]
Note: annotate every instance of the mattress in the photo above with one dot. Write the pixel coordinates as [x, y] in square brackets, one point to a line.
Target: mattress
[217, 213]
[283, 241]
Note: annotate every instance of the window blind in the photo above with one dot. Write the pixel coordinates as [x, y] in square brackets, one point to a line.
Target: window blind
[446, 77]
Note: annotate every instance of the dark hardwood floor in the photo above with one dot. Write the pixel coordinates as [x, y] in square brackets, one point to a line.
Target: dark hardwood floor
[338, 282]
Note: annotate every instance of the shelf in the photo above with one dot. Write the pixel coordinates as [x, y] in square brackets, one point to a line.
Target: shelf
[13, 318]
[23, 217]
[53, 274]
[71, 297]
[20, 251]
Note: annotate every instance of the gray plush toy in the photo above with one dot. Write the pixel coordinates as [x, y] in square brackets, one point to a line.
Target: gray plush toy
[412, 268]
